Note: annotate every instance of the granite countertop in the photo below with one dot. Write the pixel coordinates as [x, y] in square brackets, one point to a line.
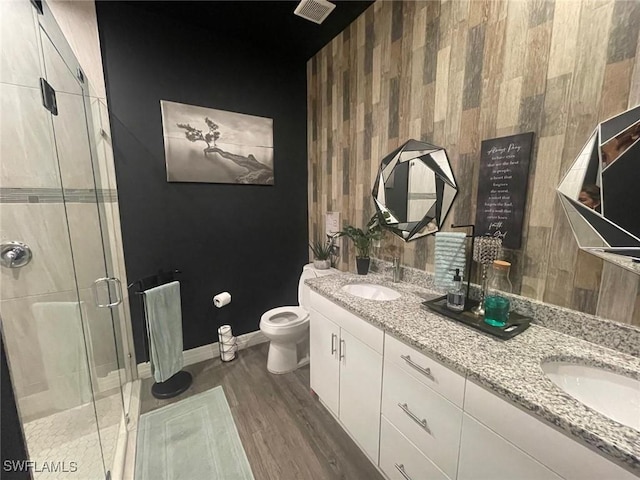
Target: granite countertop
[511, 368]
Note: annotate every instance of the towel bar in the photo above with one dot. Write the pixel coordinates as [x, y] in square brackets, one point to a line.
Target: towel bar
[182, 380]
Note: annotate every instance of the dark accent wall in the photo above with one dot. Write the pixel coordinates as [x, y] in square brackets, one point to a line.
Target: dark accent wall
[250, 240]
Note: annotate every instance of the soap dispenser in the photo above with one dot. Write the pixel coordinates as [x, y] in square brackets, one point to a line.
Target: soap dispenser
[456, 296]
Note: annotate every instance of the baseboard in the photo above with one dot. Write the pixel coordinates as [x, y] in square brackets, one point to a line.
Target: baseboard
[249, 340]
[207, 352]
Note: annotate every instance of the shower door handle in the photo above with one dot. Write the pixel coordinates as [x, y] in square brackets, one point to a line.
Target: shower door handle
[118, 291]
[116, 281]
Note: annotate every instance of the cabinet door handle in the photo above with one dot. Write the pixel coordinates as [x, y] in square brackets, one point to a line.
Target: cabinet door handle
[422, 423]
[342, 345]
[400, 468]
[424, 370]
[333, 343]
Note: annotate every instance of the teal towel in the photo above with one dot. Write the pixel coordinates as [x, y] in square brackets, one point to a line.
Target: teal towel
[449, 255]
[164, 324]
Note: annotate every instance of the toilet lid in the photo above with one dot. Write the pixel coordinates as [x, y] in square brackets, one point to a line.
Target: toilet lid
[284, 316]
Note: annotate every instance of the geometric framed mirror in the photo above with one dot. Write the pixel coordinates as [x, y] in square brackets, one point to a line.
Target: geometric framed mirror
[600, 193]
[414, 190]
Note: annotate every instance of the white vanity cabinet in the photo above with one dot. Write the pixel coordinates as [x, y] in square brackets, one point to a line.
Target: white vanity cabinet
[419, 420]
[346, 370]
[401, 460]
[526, 435]
[324, 337]
[418, 396]
[484, 455]
[495, 439]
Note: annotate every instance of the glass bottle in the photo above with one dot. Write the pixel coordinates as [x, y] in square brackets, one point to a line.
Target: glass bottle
[456, 296]
[496, 305]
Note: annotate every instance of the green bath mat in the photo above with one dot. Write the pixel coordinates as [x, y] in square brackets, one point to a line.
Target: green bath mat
[194, 439]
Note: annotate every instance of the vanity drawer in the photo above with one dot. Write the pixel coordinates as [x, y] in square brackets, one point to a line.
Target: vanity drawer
[356, 326]
[425, 369]
[485, 455]
[397, 453]
[406, 402]
[554, 449]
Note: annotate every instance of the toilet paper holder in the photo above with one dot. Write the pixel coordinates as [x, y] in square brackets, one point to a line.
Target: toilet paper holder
[227, 343]
[222, 299]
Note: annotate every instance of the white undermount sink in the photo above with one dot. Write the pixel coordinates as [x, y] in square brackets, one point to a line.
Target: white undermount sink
[371, 291]
[612, 394]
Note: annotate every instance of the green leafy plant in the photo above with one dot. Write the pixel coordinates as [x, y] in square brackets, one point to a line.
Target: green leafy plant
[321, 250]
[363, 238]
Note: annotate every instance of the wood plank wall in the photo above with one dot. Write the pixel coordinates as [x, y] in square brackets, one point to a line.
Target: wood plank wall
[453, 73]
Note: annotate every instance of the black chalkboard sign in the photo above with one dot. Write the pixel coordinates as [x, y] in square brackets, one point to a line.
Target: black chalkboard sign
[502, 187]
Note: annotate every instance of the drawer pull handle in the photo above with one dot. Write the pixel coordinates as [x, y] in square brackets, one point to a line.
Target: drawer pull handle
[341, 354]
[422, 423]
[333, 343]
[400, 468]
[425, 371]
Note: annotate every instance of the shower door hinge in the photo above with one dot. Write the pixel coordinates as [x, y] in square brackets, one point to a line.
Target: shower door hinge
[37, 4]
[48, 97]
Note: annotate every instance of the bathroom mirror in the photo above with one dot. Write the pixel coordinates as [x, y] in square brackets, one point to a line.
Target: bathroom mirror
[600, 193]
[414, 190]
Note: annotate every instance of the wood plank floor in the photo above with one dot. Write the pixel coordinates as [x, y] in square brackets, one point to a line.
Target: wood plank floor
[285, 431]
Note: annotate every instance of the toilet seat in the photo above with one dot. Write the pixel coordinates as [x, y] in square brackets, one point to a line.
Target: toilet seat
[284, 317]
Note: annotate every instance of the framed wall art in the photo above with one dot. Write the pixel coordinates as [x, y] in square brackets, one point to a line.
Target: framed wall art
[502, 187]
[206, 145]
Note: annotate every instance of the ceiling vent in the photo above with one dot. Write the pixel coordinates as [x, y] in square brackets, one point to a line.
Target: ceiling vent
[314, 10]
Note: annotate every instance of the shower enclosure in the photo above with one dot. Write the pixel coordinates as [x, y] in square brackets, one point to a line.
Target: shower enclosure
[65, 340]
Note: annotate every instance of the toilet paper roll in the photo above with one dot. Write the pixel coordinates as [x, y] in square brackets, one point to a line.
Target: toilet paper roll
[227, 343]
[228, 356]
[226, 339]
[222, 299]
[225, 331]
[225, 335]
[229, 346]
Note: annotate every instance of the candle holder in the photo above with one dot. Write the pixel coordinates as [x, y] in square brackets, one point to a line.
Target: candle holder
[485, 251]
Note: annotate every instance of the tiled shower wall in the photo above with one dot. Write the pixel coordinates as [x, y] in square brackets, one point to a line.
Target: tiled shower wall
[454, 73]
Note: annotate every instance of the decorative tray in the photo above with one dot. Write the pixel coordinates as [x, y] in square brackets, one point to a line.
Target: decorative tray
[515, 325]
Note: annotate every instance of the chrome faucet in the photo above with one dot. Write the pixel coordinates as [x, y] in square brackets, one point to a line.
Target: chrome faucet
[396, 269]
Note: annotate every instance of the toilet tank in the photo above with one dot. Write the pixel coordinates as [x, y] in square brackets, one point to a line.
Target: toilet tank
[308, 271]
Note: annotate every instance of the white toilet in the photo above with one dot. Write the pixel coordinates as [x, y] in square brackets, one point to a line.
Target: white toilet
[287, 328]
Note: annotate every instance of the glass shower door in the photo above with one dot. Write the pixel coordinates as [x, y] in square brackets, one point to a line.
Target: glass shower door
[63, 343]
[84, 199]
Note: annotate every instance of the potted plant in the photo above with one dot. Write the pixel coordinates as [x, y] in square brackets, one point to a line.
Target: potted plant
[322, 252]
[362, 240]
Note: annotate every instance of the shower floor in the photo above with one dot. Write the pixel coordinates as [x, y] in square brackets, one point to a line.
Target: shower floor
[71, 436]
